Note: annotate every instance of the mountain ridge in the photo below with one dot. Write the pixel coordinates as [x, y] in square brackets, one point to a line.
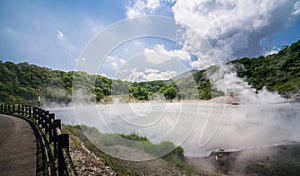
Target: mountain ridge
[19, 83]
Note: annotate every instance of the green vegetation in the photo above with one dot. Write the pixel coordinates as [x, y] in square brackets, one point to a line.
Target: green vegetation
[277, 72]
[130, 140]
[165, 150]
[19, 83]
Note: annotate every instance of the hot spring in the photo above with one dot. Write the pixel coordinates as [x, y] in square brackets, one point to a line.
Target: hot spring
[199, 127]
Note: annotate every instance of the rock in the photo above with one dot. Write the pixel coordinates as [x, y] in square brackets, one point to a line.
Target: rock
[86, 162]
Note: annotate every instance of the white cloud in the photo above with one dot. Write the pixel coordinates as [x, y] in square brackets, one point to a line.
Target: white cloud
[205, 60]
[296, 8]
[161, 75]
[114, 65]
[93, 25]
[136, 76]
[148, 70]
[155, 57]
[159, 54]
[103, 74]
[272, 51]
[114, 62]
[65, 42]
[140, 44]
[150, 75]
[141, 8]
[233, 28]
[152, 4]
[59, 35]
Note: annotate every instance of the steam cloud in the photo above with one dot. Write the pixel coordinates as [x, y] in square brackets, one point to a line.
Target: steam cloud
[225, 79]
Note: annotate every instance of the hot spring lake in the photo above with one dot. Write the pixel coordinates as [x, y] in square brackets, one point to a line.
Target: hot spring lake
[199, 127]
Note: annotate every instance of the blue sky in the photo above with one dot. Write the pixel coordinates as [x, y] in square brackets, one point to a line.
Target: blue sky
[29, 29]
[54, 33]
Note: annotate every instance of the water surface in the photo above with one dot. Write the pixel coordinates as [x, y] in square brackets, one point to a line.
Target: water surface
[199, 127]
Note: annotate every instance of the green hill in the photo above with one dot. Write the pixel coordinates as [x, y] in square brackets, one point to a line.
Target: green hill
[20, 82]
[278, 72]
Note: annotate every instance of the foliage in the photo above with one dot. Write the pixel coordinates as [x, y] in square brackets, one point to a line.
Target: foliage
[170, 91]
[277, 72]
[165, 149]
[19, 83]
[156, 166]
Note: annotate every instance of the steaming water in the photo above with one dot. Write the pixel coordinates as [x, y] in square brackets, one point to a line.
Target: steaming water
[199, 127]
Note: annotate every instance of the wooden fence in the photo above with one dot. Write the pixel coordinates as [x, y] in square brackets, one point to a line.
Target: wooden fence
[56, 145]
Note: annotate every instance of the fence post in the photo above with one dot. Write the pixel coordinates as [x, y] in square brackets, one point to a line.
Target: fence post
[44, 116]
[27, 111]
[46, 122]
[8, 108]
[56, 124]
[19, 109]
[30, 111]
[35, 115]
[63, 142]
[51, 129]
[40, 117]
[22, 110]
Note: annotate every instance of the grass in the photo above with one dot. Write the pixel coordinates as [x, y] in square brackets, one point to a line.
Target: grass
[70, 130]
[173, 161]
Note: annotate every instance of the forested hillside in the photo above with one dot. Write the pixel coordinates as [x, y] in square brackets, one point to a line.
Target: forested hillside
[278, 72]
[19, 83]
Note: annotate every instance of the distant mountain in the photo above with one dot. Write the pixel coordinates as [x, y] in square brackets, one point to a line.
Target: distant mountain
[19, 83]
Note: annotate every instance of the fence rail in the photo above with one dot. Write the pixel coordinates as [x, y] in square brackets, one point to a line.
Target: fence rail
[52, 137]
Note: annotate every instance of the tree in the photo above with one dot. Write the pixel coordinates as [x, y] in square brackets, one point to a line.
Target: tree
[139, 93]
[171, 93]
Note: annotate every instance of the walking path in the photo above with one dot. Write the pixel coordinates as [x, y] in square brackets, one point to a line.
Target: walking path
[17, 147]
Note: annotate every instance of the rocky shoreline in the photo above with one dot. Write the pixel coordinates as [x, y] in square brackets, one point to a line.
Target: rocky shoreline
[86, 162]
[89, 160]
[274, 160]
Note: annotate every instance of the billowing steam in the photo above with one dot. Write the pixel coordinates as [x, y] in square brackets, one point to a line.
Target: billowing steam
[225, 79]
